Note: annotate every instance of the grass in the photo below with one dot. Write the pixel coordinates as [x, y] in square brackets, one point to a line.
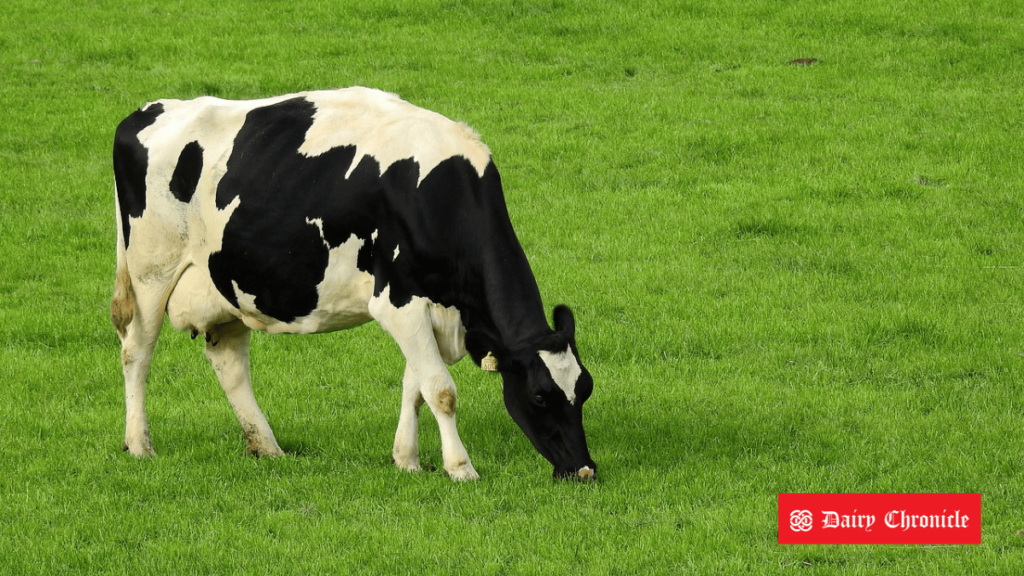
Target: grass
[786, 279]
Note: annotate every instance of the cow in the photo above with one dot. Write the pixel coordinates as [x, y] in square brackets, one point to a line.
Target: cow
[320, 211]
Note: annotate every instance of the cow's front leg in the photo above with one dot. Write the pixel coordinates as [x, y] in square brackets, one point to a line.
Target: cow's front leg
[406, 450]
[439, 392]
[426, 379]
[227, 348]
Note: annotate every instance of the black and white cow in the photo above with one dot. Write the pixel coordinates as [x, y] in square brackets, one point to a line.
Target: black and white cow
[320, 211]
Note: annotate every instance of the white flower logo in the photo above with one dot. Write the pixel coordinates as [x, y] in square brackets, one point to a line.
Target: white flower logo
[800, 520]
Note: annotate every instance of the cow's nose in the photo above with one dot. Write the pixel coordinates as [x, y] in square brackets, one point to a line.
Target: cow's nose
[586, 474]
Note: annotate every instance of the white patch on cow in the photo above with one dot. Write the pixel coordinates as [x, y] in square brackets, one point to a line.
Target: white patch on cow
[448, 331]
[250, 314]
[170, 236]
[373, 237]
[565, 370]
[395, 257]
[319, 223]
[385, 127]
[344, 292]
[195, 304]
[445, 323]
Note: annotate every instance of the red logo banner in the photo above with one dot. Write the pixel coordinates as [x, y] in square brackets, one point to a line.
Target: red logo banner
[879, 518]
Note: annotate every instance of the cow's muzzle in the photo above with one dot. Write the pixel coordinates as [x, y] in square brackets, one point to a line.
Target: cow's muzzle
[584, 474]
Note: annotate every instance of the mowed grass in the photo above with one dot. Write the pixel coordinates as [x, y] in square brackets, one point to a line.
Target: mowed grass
[786, 279]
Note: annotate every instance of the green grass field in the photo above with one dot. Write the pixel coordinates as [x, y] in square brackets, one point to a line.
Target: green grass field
[786, 279]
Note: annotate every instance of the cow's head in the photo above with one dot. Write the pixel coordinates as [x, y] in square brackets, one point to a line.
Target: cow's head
[545, 386]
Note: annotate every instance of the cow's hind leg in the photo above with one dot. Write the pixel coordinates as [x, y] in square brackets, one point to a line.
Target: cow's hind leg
[136, 355]
[137, 347]
[426, 379]
[227, 348]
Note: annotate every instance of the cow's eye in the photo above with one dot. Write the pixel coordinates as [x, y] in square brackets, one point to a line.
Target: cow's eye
[540, 401]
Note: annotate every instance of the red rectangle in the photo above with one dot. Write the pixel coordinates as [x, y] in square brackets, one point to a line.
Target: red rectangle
[879, 518]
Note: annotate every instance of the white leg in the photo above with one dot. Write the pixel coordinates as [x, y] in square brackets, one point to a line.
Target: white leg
[439, 392]
[426, 378]
[228, 351]
[136, 354]
[406, 449]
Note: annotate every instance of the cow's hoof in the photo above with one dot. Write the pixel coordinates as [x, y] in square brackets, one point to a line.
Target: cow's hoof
[140, 449]
[263, 451]
[260, 444]
[463, 473]
[407, 464]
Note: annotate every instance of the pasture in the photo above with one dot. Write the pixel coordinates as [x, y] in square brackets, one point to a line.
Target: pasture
[786, 278]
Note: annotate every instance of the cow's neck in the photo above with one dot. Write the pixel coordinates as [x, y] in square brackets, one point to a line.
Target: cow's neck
[510, 309]
[513, 311]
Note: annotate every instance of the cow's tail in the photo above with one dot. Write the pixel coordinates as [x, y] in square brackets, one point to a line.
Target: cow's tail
[122, 305]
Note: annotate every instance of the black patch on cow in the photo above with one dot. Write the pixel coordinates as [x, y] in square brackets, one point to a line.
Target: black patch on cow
[272, 246]
[456, 244]
[187, 171]
[131, 161]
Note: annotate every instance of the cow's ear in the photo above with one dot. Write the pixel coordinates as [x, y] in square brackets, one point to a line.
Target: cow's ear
[564, 321]
[486, 352]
